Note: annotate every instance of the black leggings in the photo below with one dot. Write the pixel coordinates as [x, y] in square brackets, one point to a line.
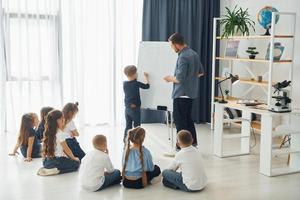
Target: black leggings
[138, 184]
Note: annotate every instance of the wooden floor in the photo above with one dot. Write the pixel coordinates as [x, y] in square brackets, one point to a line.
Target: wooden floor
[228, 178]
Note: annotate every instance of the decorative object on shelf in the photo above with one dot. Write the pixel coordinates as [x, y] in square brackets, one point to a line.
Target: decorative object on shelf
[234, 80]
[264, 18]
[277, 52]
[232, 48]
[226, 93]
[259, 78]
[236, 22]
[282, 101]
[252, 52]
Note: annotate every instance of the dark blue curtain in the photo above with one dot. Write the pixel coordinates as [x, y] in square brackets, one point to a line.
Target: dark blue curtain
[194, 20]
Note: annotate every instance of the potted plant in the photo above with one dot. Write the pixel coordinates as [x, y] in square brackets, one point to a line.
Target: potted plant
[236, 22]
[252, 52]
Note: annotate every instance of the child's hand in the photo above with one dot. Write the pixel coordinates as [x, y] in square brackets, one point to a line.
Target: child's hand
[200, 75]
[146, 75]
[28, 159]
[76, 159]
[13, 153]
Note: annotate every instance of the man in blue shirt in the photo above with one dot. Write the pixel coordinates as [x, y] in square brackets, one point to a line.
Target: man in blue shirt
[185, 84]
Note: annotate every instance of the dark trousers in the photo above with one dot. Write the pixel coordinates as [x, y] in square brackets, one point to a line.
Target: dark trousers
[63, 164]
[182, 113]
[75, 148]
[110, 179]
[173, 179]
[36, 151]
[138, 184]
[133, 119]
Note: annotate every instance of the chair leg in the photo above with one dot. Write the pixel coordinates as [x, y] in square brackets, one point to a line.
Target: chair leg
[283, 141]
[288, 161]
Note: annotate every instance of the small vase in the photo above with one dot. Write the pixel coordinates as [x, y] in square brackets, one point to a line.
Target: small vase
[251, 56]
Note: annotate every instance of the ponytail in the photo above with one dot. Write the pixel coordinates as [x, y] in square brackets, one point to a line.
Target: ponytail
[127, 151]
[144, 175]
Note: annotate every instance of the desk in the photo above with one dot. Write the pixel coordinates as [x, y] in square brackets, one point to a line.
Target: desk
[267, 133]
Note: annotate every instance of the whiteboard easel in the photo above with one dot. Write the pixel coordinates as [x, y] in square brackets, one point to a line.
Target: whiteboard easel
[158, 59]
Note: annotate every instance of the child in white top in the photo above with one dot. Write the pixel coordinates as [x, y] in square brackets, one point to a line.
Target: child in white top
[69, 111]
[96, 171]
[57, 155]
[192, 176]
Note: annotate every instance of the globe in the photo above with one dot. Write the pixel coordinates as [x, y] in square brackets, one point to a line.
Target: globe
[264, 17]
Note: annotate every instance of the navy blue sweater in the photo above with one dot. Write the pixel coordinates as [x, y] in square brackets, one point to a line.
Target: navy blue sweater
[132, 93]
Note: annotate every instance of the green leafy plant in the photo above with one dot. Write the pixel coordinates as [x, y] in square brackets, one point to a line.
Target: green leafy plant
[252, 52]
[226, 92]
[236, 21]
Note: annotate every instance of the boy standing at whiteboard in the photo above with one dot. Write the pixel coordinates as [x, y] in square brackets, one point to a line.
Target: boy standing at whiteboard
[132, 99]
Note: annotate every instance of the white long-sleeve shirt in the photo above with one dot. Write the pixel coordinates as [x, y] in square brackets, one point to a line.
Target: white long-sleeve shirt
[189, 161]
[92, 168]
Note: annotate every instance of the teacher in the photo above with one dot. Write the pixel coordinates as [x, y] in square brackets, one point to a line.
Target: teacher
[185, 84]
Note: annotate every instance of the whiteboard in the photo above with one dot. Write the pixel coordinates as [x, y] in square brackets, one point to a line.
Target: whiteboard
[159, 60]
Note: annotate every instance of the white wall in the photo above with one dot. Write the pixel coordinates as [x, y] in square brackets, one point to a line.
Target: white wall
[282, 6]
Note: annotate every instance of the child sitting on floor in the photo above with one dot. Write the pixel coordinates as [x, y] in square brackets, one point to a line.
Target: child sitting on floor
[96, 171]
[27, 140]
[41, 127]
[192, 176]
[70, 110]
[138, 168]
[58, 158]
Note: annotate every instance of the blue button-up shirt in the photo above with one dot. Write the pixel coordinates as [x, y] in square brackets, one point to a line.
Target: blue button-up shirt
[188, 67]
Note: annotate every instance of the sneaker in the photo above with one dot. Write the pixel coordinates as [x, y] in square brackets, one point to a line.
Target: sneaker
[156, 179]
[47, 172]
[170, 153]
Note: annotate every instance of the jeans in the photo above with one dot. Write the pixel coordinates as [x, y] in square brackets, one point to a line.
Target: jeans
[133, 119]
[63, 164]
[182, 112]
[138, 184]
[113, 178]
[36, 151]
[174, 180]
[75, 148]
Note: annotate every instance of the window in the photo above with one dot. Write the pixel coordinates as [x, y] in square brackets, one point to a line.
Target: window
[32, 57]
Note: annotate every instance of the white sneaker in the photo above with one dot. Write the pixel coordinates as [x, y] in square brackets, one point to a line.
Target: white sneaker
[156, 179]
[47, 172]
[170, 153]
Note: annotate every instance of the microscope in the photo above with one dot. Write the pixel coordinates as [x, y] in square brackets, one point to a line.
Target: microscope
[282, 98]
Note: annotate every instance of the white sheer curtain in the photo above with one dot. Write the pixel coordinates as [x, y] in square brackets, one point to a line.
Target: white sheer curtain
[98, 39]
[31, 57]
[59, 51]
[2, 75]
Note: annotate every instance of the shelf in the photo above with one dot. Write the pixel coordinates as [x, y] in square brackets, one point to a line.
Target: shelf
[239, 119]
[255, 124]
[247, 81]
[235, 136]
[284, 171]
[228, 98]
[233, 153]
[259, 60]
[284, 151]
[255, 37]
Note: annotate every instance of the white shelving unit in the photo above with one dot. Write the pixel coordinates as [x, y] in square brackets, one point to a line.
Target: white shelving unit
[266, 86]
[266, 126]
